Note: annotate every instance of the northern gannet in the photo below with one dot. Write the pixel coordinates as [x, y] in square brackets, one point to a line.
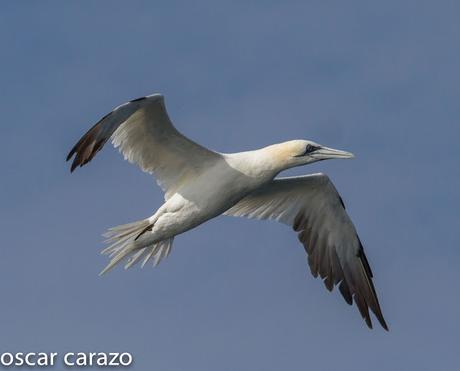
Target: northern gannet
[200, 184]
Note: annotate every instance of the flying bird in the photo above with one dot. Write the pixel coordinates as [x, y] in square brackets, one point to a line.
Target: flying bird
[200, 184]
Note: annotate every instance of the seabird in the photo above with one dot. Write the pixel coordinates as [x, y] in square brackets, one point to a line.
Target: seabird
[200, 184]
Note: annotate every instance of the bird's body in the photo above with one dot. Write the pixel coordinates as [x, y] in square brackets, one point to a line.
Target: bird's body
[230, 178]
[201, 184]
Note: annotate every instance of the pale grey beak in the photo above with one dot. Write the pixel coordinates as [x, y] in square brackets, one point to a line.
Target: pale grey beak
[325, 153]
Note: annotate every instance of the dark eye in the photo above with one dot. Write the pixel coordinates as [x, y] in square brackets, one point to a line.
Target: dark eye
[310, 148]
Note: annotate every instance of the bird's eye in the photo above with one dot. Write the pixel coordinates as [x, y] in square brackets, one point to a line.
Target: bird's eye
[310, 148]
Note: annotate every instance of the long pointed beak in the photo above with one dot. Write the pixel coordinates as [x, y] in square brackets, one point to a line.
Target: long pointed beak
[325, 153]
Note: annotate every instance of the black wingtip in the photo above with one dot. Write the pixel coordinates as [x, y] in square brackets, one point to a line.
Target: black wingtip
[383, 323]
[69, 156]
[368, 322]
[344, 290]
[137, 99]
[74, 166]
[72, 152]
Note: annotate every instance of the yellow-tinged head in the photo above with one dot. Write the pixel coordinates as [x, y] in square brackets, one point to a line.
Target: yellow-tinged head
[301, 152]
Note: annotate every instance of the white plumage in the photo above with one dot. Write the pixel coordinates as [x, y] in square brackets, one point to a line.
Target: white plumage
[200, 184]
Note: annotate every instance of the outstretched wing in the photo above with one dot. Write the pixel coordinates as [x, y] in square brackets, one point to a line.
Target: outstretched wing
[312, 206]
[144, 134]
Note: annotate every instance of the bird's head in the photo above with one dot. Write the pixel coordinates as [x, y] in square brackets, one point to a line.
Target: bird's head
[302, 152]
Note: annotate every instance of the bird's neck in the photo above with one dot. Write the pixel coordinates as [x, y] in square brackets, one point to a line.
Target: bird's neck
[262, 163]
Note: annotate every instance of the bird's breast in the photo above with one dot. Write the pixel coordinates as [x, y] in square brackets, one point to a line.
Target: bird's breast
[215, 191]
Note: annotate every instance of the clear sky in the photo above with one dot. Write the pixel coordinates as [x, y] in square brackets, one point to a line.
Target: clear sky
[379, 79]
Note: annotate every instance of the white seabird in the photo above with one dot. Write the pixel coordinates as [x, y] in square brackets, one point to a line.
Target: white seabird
[200, 184]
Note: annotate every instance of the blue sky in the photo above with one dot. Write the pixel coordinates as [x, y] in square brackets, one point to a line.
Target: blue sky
[378, 79]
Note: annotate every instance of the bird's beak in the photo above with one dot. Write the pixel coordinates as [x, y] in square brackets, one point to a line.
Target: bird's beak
[325, 153]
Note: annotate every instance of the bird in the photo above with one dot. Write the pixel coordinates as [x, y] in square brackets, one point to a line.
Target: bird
[200, 184]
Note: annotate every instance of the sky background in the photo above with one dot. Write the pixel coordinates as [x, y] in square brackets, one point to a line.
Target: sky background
[379, 79]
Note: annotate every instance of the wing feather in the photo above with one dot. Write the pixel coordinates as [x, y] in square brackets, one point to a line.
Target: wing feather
[315, 210]
[144, 134]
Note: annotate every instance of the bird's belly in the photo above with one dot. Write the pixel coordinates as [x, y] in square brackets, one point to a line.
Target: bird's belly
[198, 203]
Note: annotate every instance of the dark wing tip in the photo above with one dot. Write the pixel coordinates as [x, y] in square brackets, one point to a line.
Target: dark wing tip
[345, 291]
[137, 99]
[368, 322]
[371, 299]
[73, 166]
[93, 141]
[87, 147]
[384, 324]
[361, 291]
[69, 156]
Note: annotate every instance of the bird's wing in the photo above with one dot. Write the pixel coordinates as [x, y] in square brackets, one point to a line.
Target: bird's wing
[313, 207]
[144, 134]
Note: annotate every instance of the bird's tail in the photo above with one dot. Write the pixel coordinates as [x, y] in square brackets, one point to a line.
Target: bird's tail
[123, 245]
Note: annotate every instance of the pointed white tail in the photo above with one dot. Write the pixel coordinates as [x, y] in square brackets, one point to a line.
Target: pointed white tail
[122, 240]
